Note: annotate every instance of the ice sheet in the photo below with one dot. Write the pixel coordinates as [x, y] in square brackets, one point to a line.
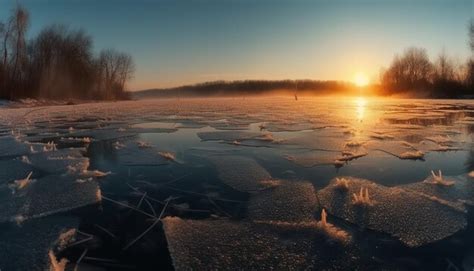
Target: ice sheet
[241, 173]
[26, 247]
[413, 219]
[45, 196]
[290, 201]
[224, 244]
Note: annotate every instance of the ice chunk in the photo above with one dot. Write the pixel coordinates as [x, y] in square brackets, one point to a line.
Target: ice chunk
[400, 149]
[135, 154]
[320, 158]
[351, 153]
[75, 139]
[429, 146]
[47, 195]
[60, 161]
[241, 173]
[26, 247]
[54, 194]
[413, 155]
[414, 219]
[381, 136]
[441, 139]
[223, 244]
[330, 232]
[289, 127]
[313, 158]
[290, 201]
[231, 136]
[102, 134]
[460, 190]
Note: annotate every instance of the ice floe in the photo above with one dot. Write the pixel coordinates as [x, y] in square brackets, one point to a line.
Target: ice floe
[225, 244]
[27, 247]
[455, 190]
[139, 154]
[45, 196]
[289, 201]
[59, 161]
[241, 173]
[240, 138]
[413, 219]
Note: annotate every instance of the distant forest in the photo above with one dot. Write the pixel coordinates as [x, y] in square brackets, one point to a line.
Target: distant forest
[58, 63]
[251, 87]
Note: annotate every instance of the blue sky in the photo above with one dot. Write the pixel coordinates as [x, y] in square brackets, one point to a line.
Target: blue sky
[176, 42]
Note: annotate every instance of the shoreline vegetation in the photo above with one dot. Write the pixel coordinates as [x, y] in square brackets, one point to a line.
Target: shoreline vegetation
[59, 63]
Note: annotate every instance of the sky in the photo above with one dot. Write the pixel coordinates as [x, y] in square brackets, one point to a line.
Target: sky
[176, 42]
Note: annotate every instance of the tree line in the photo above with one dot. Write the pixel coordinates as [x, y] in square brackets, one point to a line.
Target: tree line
[58, 63]
[252, 87]
[413, 71]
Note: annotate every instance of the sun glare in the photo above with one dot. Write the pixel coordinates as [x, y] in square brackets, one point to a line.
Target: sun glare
[360, 103]
[361, 80]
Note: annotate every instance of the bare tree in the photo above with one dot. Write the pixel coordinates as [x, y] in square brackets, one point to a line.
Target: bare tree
[444, 68]
[471, 35]
[5, 33]
[62, 62]
[7, 29]
[2, 65]
[19, 22]
[470, 62]
[115, 69]
[58, 63]
[412, 70]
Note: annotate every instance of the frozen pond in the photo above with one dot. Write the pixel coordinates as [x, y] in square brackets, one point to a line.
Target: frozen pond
[238, 183]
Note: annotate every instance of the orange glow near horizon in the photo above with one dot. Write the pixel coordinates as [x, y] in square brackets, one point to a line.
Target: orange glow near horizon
[361, 80]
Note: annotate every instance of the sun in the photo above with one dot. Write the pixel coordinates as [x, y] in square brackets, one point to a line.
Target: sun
[361, 80]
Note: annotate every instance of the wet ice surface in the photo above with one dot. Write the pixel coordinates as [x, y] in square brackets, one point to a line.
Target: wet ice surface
[239, 183]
